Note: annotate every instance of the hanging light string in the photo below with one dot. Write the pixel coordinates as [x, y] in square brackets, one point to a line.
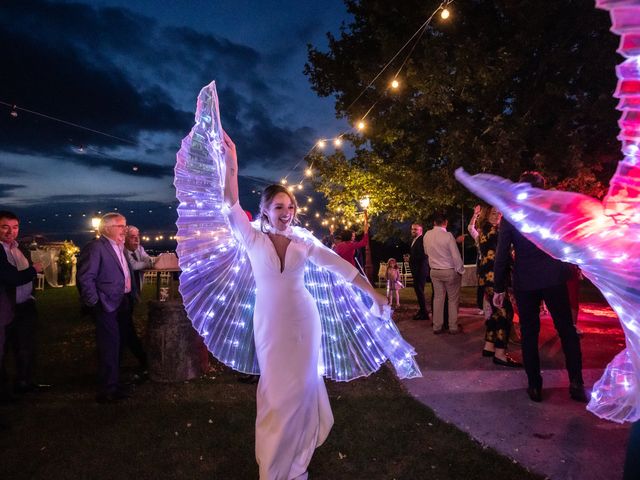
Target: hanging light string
[15, 108]
[360, 125]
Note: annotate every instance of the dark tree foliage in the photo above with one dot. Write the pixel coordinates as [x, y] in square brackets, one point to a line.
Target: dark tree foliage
[502, 86]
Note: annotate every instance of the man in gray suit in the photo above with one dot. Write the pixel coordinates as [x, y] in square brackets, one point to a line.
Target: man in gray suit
[105, 282]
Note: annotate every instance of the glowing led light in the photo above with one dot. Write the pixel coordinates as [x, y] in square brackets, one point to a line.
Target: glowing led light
[522, 196]
[444, 14]
[337, 142]
[207, 288]
[395, 84]
[300, 187]
[308, 172]
[321, 143]
[361, 125]
[283, 181]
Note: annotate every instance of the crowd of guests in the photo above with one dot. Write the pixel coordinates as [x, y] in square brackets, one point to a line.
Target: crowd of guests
[109, 279]
[509, 267]
[513, 276]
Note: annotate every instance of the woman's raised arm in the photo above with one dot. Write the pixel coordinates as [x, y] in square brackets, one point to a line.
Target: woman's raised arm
[231, 176]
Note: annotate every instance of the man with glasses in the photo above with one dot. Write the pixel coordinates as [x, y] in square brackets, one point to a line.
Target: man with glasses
[105, 282]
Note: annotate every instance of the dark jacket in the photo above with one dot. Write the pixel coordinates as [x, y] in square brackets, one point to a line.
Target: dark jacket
[418, 260]
[100, 277]
[10, 278]
[533, 269]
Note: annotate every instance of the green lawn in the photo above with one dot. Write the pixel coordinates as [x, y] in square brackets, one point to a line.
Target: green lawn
[204, 428]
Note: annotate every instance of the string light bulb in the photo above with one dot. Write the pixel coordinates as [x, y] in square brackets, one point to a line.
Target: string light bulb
[395, 84]
[444, 14]
[361, 125]
[283, 181]
[308, 172]
[321, 144]
[300, 186]
[337, 142]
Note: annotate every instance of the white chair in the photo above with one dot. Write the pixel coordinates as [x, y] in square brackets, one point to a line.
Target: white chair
[149, 278]
[406, 276]
[165, 278]
[382, 275]
[40, 281]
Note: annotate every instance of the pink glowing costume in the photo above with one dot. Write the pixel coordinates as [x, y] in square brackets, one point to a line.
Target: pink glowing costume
[603, 238]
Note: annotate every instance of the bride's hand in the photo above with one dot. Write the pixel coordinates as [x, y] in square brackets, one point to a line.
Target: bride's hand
[230, 155]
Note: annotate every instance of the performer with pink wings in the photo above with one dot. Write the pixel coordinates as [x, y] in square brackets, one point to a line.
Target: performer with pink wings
[602, 238]
[270, 299]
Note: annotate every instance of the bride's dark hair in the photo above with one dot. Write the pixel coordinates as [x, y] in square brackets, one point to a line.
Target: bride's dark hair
[268, 194]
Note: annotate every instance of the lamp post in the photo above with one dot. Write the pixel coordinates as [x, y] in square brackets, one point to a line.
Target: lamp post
[95, 224]
[368, 263]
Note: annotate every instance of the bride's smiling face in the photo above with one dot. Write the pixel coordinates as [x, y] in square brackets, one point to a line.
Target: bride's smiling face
[281, 211]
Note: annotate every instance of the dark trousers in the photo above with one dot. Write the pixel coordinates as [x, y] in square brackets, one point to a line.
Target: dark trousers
[557, 301]
[632, 460]
[108, 335]
[21, 340]
[419, 281]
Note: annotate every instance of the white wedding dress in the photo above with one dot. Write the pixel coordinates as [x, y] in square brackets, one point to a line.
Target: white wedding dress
[294, 416]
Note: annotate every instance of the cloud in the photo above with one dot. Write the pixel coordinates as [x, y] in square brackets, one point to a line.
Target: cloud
[125, 74]
[7, 188]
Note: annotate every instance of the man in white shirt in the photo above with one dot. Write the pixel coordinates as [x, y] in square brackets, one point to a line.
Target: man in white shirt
[447, 268]
[138, 258]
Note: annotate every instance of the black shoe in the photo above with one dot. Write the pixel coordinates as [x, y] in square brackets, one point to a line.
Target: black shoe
[535, 394]
[420, 316]
[577, 393]
[438, 332]
[488, 353]
[508, 362]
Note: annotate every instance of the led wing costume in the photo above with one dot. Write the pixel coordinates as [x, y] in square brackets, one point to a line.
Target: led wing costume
[218, 286]
[603, 238]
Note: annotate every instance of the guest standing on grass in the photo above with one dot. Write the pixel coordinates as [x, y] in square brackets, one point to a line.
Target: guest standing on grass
[107, 289]
[419, 264]
[17, 307]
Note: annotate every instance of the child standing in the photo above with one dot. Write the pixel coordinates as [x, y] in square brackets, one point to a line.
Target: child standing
[393, 282]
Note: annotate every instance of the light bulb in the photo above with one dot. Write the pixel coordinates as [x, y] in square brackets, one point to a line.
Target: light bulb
[361, 125]
[321, 143]
[337, 142]
[395, 84]
[444, 14]
[308, 172]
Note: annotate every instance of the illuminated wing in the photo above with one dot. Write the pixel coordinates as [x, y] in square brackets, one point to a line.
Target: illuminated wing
[356, 341]
[575, 228]
[216, 283]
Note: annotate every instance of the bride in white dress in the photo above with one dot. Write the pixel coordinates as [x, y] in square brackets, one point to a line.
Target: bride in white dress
[294, 416]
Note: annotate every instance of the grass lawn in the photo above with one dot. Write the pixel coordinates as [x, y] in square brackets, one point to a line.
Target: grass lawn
[204, 428]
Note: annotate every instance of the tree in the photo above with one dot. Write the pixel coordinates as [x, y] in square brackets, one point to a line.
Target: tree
[501, 87]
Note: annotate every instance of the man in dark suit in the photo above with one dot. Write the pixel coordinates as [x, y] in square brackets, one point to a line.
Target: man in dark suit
[419, 264]
[538, 277]
[16, 277]
[105, 282]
